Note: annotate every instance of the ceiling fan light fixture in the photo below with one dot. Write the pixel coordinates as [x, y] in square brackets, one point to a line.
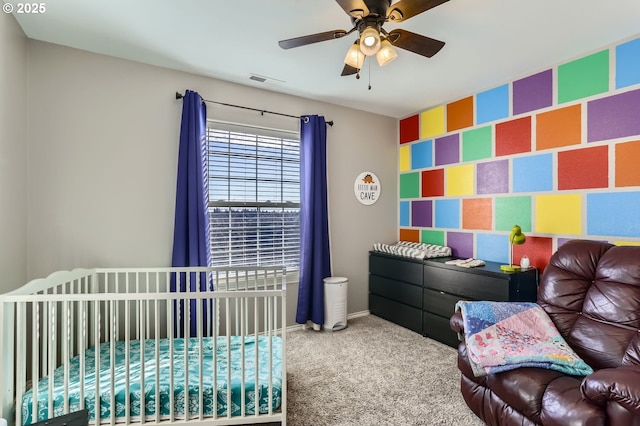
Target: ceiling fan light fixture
[370, 41]
[354, 58]
[386, 54]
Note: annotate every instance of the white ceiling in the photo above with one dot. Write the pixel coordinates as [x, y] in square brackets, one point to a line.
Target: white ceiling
[489, 42]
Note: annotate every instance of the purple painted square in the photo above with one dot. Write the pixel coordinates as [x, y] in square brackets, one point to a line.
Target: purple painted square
[533, 92]
[614, 116]
[492, 177]
[448, 150]
[422, 213]
[561, 241]
[461, 244]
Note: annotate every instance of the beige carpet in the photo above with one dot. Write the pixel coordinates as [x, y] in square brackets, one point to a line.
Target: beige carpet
[372, 373]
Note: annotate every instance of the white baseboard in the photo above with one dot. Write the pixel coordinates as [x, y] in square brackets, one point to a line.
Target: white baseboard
[349, 316]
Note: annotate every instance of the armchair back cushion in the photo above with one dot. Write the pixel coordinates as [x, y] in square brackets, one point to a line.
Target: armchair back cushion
[591, 291]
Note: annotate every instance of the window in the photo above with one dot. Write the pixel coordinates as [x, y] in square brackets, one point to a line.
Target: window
[254, 196]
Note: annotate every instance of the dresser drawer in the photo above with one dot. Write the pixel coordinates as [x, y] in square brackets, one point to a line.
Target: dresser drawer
[397, 290]
[396, 268]
[396, 312]
[440, 303]
[438, 328]
[467, 284]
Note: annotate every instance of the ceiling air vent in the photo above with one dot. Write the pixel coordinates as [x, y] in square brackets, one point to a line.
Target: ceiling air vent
[257, 78]
[264, 79]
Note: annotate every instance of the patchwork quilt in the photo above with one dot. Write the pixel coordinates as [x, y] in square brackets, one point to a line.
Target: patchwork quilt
[503, 336]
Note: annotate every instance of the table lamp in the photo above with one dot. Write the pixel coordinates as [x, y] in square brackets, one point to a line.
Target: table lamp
[516, 237]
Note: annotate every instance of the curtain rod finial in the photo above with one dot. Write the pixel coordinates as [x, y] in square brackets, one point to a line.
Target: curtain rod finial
[179, 95]
[330, 123]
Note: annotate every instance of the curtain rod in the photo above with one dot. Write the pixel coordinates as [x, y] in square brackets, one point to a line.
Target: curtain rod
[261, 111]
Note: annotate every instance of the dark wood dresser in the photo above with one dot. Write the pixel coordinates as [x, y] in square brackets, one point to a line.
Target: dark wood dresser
[421, 294]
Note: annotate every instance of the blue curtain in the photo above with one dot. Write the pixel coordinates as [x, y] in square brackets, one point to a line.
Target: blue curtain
[315, 261]
[191, 228]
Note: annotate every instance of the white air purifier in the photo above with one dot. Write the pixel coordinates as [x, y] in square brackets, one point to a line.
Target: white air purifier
[335, 303]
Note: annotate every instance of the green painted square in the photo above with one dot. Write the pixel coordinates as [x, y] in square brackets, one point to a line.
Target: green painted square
[477, 144]
[513, 211]
[583, 77]
[432, 237]
[410, 185]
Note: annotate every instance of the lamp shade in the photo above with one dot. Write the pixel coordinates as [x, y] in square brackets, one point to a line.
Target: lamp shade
[370, 41]
[354, 58]
[386, 54]
[517, 237]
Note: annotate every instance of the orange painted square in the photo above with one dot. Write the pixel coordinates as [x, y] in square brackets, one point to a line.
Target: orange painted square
[537, 249]
[460, 114]
[433, 183]
[412, 235]
[513, 137]
[410, 129]
[477, 213]
[583, 168]
[627, 158]
[560, 127]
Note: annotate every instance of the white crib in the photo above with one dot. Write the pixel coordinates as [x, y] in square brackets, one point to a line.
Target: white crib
[109, 340]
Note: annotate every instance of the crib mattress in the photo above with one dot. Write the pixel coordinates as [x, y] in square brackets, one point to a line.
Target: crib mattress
[151, 368]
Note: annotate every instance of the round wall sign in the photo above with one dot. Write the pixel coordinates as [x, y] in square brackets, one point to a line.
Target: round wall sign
[367, 188]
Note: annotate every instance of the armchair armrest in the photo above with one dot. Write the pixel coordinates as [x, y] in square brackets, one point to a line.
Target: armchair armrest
[456, 324]
[621, 384]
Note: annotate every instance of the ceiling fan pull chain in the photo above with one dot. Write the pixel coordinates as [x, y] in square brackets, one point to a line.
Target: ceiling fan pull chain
[369, 75]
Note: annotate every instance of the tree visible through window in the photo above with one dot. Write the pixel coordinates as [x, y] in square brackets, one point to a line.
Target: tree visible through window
[254, 196]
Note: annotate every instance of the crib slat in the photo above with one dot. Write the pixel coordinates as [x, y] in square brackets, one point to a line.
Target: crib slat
[96, 346]
[65, 352]
[82, 343]
[21, 352]
[143, 402]
[112, 353]
[199, 318]
[228, 338]
[156, 321]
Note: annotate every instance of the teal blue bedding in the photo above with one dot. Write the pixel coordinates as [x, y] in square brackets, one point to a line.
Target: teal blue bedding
[261, 400]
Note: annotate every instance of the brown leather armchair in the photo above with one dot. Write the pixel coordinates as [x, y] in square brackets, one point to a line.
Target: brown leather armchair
[591, 291]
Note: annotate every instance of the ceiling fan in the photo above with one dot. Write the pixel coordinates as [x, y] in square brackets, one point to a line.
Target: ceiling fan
[368, 17]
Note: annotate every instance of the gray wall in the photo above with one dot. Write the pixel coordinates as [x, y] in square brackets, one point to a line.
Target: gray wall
[13, 154]
[103, 138]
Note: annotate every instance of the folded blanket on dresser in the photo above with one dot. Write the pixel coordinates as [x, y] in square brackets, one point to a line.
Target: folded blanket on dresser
[502, 336]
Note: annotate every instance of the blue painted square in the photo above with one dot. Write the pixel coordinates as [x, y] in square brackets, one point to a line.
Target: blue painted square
[492, 105]
[493, 248]
[448, 213]
[422, 155]
[533, 173]
[613, 214]
[405, 208]
[628, 63]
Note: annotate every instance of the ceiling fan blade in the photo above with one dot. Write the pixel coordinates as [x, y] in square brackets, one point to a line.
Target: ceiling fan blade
[354, 8]
[415, 43]
[312, 38]
[348, 70]
[405, 9]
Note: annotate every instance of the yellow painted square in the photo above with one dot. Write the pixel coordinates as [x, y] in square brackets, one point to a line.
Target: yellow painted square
[559, 214]
[627, 243]
[405, 158]
[432, 122]
[460, 180]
